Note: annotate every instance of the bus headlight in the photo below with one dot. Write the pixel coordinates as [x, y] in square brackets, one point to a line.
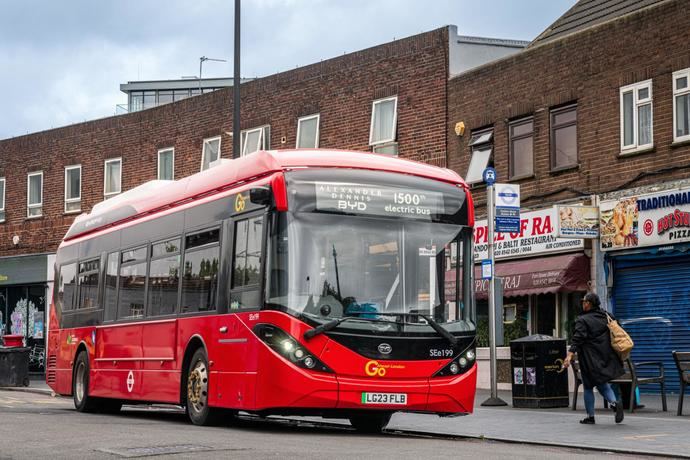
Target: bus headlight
[463, 362]
[288, 347]
[460, 364]
[470, 355]
[454, 368]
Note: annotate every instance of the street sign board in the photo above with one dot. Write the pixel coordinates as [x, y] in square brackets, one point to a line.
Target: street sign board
[507, 208]
[486, 269]
[489, 176]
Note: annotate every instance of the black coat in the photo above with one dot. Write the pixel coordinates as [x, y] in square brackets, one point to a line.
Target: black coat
[591, 341]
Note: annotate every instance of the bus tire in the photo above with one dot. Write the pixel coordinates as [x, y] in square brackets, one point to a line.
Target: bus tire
[80, 384]
[373, 422]
[198, 410]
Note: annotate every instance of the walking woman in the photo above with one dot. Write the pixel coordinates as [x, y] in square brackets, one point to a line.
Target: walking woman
[598, 362]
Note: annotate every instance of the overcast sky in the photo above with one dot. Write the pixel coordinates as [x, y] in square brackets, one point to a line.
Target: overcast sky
[61, 62]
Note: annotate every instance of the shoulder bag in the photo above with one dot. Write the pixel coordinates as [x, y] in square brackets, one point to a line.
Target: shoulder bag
[620, 340]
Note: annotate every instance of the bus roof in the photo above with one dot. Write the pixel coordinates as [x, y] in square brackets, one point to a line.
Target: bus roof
[159, 195]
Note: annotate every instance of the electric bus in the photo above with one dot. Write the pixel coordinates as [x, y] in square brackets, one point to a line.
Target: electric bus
[293, 282]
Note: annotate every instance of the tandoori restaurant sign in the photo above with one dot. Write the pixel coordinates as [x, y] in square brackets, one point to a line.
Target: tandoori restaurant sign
[645, 220]
[537, 235]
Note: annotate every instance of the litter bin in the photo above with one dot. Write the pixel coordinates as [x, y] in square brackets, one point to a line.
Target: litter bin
[14, 363]
[538, 378]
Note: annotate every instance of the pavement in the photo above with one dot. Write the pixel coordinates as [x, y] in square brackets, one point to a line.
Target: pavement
[649, 431]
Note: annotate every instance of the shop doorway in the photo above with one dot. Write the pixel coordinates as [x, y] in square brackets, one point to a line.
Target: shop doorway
[23, 312]
[545, 314]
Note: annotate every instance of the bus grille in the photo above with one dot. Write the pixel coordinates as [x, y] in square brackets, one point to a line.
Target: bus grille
[52, 364]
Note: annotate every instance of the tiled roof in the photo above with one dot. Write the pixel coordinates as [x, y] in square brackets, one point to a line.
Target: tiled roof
[587, 13]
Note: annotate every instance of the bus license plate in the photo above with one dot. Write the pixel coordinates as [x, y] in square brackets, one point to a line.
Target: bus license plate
[384, 398]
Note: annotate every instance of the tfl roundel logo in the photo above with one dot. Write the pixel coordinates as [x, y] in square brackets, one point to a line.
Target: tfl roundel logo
[648, 227]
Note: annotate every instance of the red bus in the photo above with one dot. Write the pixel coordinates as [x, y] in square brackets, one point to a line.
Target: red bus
[306, 282]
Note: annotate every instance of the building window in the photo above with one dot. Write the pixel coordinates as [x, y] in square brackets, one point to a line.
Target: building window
[210, 152]
[521, 148]
[384, 116]
[166, 164]
[2, 199]
[564, 137]
[636, 116]
[34, 194]
[308, 132]
[112, 182]
[255, 139]
[481, 146]
[681, 105]
[73, 188]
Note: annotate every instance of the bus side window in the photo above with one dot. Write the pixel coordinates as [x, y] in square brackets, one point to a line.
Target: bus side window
[200, 271]
[67, 287]
[164, 277]
[132, 283]
[110, 296]
[246, 270]
[88, 284]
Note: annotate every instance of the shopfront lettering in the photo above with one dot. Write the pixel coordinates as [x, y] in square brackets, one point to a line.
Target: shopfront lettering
[664, 201]
[676, 219]
[509, 282]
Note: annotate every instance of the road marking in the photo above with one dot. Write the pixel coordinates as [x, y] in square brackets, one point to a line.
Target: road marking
[651, 437]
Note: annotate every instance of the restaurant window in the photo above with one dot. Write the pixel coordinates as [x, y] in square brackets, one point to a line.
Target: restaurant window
[255, 139]
[166, 164]
[210, 152]
[521, 148]
[481, 147]
[34, 194]
[308, 132]
[564, 137]
[681, 105]
[112, 182]
[73, 188]
[636, 116]
[200, 272]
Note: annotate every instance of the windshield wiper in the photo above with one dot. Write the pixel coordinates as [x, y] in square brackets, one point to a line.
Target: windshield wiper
[327, 326]
[442, 331]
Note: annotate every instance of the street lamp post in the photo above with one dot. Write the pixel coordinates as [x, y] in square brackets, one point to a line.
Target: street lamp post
[203, 59]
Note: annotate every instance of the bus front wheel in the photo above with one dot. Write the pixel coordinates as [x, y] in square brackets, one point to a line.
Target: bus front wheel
[370, 423]
[197, 406]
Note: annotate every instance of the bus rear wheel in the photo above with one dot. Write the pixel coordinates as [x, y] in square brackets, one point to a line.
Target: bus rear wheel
[370, 423]
[198, 410]
[80, 384]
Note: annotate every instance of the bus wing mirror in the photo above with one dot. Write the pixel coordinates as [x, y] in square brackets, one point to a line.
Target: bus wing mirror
[260, 195]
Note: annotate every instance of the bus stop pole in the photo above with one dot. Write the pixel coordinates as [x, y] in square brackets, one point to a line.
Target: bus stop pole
[493, 400]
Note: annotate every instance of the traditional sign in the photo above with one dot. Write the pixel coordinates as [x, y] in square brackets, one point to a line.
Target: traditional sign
[536, 235]
[577, 221]
[645, 220]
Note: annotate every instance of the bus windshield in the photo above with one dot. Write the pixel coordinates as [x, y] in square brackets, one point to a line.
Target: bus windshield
[328, 266]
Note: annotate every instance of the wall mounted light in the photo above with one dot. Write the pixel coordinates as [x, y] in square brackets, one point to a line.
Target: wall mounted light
[460, 128]
[15, 240]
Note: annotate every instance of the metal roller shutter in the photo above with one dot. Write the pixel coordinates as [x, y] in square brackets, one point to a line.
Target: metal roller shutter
[651, 300]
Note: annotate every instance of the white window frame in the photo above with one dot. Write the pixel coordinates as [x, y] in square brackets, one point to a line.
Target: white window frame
[203, 150]
[635, 88]
[72, 200]
[395, 120]
[262, 144]
[105, 177]
[682, 92]
[2, 199]
[318, 125]
[167, 149]
[481, 146]
[30, 206]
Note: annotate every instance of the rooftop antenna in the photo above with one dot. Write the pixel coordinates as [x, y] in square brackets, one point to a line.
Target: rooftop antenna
[203, 59]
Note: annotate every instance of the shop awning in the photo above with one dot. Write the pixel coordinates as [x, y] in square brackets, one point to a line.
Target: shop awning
[564, 273]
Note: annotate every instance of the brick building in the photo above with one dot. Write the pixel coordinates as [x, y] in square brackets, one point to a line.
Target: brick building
[388, 99]
[593, 111]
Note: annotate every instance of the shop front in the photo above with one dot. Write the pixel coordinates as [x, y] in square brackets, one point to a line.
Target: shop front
[646, 240]
[24, 283]
[543, 277]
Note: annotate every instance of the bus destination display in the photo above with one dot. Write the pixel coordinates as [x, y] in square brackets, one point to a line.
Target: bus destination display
[377, 200]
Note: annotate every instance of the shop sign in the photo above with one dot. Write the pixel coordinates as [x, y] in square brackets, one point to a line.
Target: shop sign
[537, 235]
[577, 221]
[645, 220]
